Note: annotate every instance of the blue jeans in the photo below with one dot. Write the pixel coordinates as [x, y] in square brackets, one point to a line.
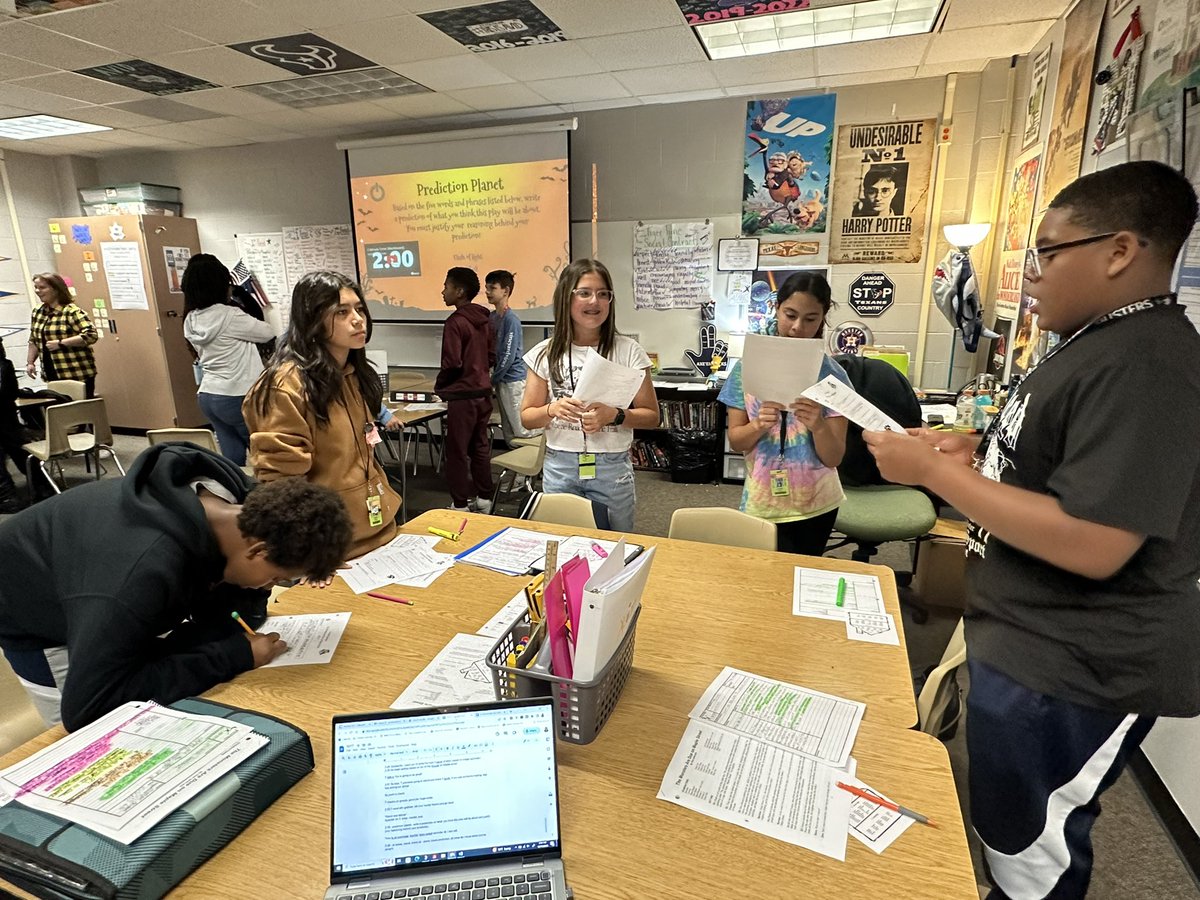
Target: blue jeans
[612, 486]
[225, 414]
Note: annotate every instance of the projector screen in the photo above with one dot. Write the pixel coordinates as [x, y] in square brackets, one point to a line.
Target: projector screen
[484, 202]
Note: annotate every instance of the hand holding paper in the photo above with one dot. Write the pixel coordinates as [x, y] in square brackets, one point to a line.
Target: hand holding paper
[780, 368]
[841, 398]
[604, 381]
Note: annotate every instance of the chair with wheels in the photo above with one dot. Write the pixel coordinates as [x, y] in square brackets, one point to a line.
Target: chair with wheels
[722, 525]
[62, 443]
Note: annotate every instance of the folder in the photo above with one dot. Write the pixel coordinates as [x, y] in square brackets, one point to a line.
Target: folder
[610, 598]
[563, 598]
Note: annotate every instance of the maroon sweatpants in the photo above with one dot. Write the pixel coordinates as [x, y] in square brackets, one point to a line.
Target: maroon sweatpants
[468, 449]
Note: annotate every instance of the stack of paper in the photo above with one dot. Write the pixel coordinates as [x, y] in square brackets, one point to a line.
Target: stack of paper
[513, 551]
[408, 560]
[815, 593]
[457, 675]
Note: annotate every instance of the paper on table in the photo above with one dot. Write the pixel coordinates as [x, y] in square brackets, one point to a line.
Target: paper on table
[814, 593]
[872, 824]
[874, 628]
[458, 674]
[406, 560]
[310, 638]
[780, 368]
[807, 722]
[748, 782]
[130, 769]
[425, 407]
[604, 381]
[502, 620]
[512, 551]
[574, 546]
[841, 398]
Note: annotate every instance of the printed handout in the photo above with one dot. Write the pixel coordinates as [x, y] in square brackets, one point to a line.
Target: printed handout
[815, 593]
[874, 628]
[310, 638]
[604, 381]
[841, 398]
[872, 824]
[502, 620]
[409, 559]
[458, 674]
[780, 368]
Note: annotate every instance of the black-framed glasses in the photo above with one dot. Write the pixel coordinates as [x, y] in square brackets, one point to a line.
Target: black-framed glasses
[1033, 262]
[589, 293]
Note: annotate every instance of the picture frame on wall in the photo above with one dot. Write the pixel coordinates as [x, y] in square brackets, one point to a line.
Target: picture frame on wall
[737, 254]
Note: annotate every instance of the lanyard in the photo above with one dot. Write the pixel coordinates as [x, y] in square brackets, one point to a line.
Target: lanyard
[783, 417]
[571, 375]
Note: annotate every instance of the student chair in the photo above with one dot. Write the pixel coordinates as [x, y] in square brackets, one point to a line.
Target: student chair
[76, 390]
[19, 719]
[940, 698]
[722, 525]
[566, 509]
[201, 437]
[526, 461]
[61, 443]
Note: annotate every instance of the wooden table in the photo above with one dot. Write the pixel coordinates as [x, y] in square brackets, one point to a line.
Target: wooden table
[705, 607]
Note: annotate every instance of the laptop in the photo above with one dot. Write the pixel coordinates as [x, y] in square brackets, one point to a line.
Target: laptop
[447, 803]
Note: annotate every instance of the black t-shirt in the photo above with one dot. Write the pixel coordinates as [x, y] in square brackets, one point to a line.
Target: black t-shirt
[1110, 426]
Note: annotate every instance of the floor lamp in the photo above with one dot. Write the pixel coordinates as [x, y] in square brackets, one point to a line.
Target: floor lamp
[963, 238]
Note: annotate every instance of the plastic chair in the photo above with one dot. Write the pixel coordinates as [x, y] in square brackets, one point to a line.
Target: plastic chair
[565, 509]
[76, 390]
[61, 443]
[940, 690]
[19, 719]
[722, 525]
[201, 437]
[525, 461]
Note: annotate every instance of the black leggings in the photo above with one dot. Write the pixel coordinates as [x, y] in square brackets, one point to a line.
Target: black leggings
[807, 537]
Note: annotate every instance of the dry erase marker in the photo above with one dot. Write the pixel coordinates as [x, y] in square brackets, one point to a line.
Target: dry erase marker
[886, 804]
[841, 594]
[379, 596]
[599, 551]
[250, 631]
[443, 533]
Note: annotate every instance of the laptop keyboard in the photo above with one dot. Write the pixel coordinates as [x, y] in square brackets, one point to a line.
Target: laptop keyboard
[531, 886]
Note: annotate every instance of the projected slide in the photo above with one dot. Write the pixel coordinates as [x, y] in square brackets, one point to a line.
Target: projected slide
[409, 229]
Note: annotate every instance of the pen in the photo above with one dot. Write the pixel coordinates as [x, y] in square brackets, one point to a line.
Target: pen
[443, 533]
[886, 804]
[599, 551]
[462, 527]
[379, 596]
[250, 631]
[841, 594]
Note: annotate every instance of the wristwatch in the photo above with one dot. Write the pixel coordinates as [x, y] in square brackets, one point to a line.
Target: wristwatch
[620, 418]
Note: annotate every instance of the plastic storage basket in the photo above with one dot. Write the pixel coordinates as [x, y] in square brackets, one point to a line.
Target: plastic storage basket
[582, 706]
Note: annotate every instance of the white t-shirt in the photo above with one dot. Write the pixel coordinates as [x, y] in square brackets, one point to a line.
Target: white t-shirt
[564, 435]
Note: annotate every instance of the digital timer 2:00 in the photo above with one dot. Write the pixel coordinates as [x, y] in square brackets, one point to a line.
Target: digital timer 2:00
[393, 260]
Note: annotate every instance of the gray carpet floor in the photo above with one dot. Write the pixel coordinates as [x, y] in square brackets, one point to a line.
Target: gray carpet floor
[1135, 857]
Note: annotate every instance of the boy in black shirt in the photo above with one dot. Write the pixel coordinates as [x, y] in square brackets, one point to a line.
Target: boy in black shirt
[1084, 549]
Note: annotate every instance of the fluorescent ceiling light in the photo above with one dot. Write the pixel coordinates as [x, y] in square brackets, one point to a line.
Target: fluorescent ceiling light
[337, 87]
[818, 27]
[30, 128]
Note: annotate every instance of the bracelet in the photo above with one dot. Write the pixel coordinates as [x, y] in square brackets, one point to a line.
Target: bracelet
[549, 415]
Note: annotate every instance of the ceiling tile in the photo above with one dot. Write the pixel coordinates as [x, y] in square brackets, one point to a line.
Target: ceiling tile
[618, 16]
[876, 76]
[170, 110]
[78, 87]
[937, 69]
[714, 93]
[769, 88]
[12, 94]
[228, 102]
[580, 88]
[49, 48]
[544, 61]
[118, 27]
[12, 67]
[866, 55]
[221, 21]
[219, 65]
[424, 106]
[973, 13]
[665, 46]
[669, 79]
[454, 73]
[1000, 41]
[320, 14]
[238, 127]
[395, 40]
[111, 116]
[766, 67]
[498, 96]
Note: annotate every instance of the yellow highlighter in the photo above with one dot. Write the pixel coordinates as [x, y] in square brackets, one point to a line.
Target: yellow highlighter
[443, 533]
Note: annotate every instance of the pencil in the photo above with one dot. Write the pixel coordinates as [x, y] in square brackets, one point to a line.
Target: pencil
[250, 631]
[379, 596]
[886, 804]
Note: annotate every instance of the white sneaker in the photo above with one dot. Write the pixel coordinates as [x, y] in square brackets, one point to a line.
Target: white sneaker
[466, 508]
[480, 505]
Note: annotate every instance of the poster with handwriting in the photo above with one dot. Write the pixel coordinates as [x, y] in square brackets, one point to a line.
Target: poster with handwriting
[672, 265]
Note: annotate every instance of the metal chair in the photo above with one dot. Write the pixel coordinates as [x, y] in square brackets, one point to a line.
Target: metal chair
[201, 437]
[722, 525]
[526, 461]
[61, 443]
[19, 719]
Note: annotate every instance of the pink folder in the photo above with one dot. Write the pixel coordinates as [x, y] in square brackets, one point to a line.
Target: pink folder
[563, 597]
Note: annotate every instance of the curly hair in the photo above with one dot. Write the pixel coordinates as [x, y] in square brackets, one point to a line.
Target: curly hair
[304, 525]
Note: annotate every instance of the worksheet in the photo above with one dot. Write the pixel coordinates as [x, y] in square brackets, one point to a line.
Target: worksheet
[512, 551]
[780, 368]
[815, 594]
[128, 770]
[841, 398]
[408, 559]
[509, 613]
[310, 638]
[458, 674]
[872, 824]
[604, 381]
[748, 782]
[813, 724]
[874, 628]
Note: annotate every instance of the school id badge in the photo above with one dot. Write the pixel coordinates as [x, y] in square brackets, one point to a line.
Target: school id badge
[375, 510]
[779, 483]
[587, 466]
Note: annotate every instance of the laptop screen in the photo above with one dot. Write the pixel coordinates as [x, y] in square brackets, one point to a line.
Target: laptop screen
[421, 787]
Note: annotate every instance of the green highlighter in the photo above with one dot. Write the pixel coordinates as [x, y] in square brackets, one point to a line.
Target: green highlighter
[841, 594]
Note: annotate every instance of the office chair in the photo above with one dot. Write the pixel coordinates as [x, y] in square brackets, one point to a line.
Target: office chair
[722, 525]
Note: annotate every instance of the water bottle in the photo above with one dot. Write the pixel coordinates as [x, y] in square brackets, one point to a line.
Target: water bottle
[964, 418]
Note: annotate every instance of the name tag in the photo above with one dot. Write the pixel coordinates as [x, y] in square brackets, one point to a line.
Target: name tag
[587, 466]
[372, 433]
[375, 510]
[779, 483]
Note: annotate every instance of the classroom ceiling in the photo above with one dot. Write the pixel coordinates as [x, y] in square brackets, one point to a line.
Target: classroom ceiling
[617, 53]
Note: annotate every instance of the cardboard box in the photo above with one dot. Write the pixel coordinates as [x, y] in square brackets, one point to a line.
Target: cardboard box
[940, 578]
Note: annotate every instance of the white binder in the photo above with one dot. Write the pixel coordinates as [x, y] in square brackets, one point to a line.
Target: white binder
[610, 597]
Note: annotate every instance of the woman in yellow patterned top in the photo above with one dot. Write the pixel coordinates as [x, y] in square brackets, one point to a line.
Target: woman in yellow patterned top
[62, 334]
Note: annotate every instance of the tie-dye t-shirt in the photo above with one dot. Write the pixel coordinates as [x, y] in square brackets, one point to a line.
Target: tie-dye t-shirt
[815, 488]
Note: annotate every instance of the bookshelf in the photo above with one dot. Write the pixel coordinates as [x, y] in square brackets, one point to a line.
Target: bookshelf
[690, 440]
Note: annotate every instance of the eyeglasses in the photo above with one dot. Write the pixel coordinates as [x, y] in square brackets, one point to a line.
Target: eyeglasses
[589, 293]
[1033, 262]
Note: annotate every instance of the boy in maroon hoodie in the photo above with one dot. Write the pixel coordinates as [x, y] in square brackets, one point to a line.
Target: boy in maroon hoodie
[465, 383]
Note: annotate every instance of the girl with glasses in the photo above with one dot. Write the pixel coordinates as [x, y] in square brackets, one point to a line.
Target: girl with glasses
[587, 445]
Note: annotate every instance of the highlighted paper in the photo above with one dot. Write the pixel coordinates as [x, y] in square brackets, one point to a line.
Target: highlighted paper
[810, 723]
[127, 771]
[841, 398]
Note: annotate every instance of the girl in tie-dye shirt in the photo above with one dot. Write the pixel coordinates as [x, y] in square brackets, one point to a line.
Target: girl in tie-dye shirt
[795, 485]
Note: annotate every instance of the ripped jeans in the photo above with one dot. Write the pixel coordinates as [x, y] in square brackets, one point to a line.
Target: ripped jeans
[612, 486]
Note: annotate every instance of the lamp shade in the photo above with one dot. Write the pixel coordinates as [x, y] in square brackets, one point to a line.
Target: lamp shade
[966, 236]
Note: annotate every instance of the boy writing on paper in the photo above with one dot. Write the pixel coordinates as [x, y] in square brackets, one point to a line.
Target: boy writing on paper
[130, 582]
[1084, 547]
[465, 383]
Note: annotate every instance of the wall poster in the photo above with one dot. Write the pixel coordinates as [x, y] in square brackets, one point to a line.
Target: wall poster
[881, 195]
[785, 178]
[1037, 96]
[1064, 148]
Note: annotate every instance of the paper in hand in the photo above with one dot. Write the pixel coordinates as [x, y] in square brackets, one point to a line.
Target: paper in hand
[780, 368]
[841, 398]
[604, 381]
